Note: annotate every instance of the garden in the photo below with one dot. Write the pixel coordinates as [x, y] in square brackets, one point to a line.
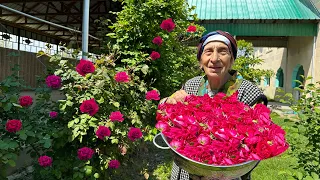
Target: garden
[104, 126]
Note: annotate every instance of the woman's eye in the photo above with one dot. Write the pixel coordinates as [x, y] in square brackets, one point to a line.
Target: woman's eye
[208, 52]
[223, 52]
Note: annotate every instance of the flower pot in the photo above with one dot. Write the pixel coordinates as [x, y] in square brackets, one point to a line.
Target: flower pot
[210, 172]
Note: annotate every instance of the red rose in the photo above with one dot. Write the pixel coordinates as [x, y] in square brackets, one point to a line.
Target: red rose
[13, 125]
[90, 107]
[134, 133]
[154, 55]
[116, 116]
[25, 101]
[157, 40]
[85, 67]
[167, 25]
[114, 164]
[53, 114]
[191, 28]
[103, 132]
[53, 81]
[45, 161]
[122, 77]
[85, 153]
[152, 95]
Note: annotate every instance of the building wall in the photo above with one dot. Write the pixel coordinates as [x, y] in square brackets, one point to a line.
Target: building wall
[274, 58]
[299, 51]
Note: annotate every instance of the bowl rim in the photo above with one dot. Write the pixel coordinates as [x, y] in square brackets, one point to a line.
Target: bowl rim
[208, 165]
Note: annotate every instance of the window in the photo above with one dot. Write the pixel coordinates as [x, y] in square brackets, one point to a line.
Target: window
[266, 81]
[279, 78]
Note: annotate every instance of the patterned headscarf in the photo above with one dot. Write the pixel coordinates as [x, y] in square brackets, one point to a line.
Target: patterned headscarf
[224, 37]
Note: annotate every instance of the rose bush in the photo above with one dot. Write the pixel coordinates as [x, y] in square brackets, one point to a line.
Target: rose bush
[25, 122]
[118, 92]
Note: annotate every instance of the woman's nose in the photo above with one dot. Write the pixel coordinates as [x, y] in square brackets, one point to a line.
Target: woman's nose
[214, 58]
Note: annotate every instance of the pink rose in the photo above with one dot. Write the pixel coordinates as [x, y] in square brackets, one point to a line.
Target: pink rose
[114, 164]
[191, 28]
[85, 67]
[154, 55]
[157, 40]
[25, 101]
[13, 125]
[53, 81]
[152, 95]
[122, 77]
[134, 133]
[116, 116]
[103, 132]
[53, 114]
[90, 107]
[45, 161]
[85, 153]
[167, 25]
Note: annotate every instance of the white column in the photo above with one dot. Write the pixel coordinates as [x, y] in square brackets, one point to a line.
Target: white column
[85, 28]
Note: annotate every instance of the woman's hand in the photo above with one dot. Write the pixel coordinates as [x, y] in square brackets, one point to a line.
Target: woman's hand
[178, 96]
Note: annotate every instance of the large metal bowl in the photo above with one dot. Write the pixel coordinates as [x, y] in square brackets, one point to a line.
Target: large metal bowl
[206, 170]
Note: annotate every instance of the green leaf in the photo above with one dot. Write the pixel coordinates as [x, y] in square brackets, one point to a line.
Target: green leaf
[114, 141]
[47, 143]
[17, 105]
[314, 175]
[7, 107]
[22, 135]
[101, 100]
[71, 123]
[145, 69]
[13, 145]
[116, 104]
[96, 175]
[12, 163]
[30, 133]
[69, 103]
[299, 175]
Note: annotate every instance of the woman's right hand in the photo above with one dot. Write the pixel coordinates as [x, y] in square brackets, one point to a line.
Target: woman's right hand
[178, 96]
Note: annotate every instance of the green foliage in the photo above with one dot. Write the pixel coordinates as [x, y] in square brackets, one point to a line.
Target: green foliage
[136, 26]
[308, 109]
[246, 62]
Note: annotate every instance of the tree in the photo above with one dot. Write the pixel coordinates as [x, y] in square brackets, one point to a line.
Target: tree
[246, 62]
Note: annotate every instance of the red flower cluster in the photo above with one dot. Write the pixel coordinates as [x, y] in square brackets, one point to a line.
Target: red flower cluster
[85, 153]
[89, 106]
[134, 133]
[122, 77]
[152, 95]
[13, 125]
[53, 81]
[220, 130]
[155, 55]
[45, 161]
[85, 67]
[116, 116]
[103, 132]
[192, 28]
[157, 40]
[114, 164]
[25, 101]
[167, 25]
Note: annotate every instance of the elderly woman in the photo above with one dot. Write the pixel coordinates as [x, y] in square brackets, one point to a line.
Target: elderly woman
[217, 52]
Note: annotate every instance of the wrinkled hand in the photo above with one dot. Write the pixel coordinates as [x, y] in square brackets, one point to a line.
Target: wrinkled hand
[178, 96]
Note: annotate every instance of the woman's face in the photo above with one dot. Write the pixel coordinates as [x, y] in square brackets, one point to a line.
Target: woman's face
[216, 59]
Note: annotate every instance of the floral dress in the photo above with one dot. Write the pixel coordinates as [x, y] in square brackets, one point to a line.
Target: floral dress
[248, 93]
